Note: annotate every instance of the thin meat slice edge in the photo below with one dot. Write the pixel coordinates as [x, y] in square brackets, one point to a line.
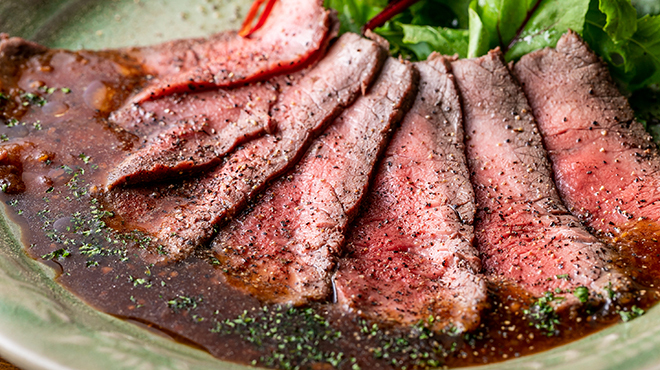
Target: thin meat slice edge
[192, 210]
[410, 255]
[295, 34]
[192, 132]
[284, 249]
[606, 165]
[524, 232]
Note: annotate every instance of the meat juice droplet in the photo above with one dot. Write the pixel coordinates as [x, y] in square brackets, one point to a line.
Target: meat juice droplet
[63, 225]
[97, 96]
[55, 108]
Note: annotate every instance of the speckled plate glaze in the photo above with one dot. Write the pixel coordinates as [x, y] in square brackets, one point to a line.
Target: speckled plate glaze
[43, 326]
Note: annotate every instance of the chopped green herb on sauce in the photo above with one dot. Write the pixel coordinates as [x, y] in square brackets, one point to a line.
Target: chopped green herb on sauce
[542, 314]
[581, 293]
[57, 254]
[33, 99]
[629, 315]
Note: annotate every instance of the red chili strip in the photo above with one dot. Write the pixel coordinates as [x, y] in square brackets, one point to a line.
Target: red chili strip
[392, 9]
[246, 29]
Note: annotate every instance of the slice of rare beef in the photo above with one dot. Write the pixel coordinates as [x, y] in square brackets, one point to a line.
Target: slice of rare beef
[195, 207]
[192, 132]
[295, 34]
[524, 232]
[410, 255]
[606, 165]
[284, 249]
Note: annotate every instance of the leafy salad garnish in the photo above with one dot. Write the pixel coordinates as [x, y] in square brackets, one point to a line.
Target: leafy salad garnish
[625, 33]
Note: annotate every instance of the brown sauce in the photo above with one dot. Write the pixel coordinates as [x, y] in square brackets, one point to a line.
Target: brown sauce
[67, 146]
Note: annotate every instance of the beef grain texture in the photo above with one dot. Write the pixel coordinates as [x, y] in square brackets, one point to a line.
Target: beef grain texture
[606, 165]
[410, 254]
[295, 34]
[284, 249]
[523, 230]
[192, 132]
[193, 209]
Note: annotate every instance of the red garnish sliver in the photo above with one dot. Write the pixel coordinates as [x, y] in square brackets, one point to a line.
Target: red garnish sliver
[392, 9]
[247, 29]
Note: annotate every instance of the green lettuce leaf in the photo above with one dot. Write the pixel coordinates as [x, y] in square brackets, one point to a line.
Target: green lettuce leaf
[550, 20]
[353, 14]
[522, 26]
[621, 18]
[635, 61]
[479, 42]
[625, 33]
[423, 40]
[502, 18]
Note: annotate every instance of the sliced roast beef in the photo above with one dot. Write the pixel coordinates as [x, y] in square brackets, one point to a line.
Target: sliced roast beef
[301, 114]
[606, 166]
[524, 232]
[410, 255]
[199, 129]
[284, 249]
[295, 33]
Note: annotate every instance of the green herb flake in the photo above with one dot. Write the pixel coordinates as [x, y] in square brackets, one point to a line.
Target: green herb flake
[581, 293]
[184, 303]
[135, 301]
[629, 315]
[610, 291]
[85, 158]
[57, 254]
[542, 314]
[139, 282]
[33, 99]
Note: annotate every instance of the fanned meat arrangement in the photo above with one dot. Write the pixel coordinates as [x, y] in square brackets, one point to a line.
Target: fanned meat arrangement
[241, 192]
[300, 115]
[295, 34]
[606, 165]
[524, 232]
[410, 254]
[286, 246]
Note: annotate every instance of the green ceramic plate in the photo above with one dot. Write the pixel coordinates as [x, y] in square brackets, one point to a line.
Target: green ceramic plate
[42, 326]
